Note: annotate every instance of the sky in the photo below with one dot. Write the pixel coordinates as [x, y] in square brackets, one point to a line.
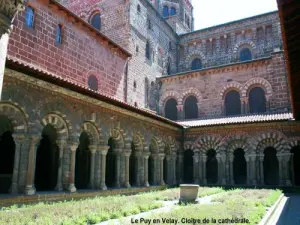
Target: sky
[208, 13]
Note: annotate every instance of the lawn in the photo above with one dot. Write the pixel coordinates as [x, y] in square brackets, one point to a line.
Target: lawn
[244, 205]
[90, 211]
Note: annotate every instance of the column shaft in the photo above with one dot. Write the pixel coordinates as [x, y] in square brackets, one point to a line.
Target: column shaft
[60, 144]
[18, 141]
[73, 147]
[261, 160]
[162, 170]
[118, 164]
[103, 170]
[92, 168]
[146, 182]
[127, 184]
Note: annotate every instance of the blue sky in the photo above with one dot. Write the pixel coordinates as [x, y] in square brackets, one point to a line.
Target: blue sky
[208, 13]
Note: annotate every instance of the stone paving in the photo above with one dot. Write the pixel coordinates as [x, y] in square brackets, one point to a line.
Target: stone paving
[288, 211]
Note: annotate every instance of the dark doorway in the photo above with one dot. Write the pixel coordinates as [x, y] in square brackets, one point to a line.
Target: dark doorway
[271, 167]
[232, 103]
[239, 167]
[296, 165]
[82, 165]
[188, 166]
[171, 109]
[7, 154]
[132, 166]
[110, 173]
[257, 100]
[191, 108]
[165, 174]
[211, 167]
[151, 171]
[47, 156]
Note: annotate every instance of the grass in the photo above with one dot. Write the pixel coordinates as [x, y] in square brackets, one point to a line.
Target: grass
[250, 205]
[90, 211]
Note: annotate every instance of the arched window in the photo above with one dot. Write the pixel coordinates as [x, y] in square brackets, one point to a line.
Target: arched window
[148, 55]
[257, 100]
[171, 109]
[169, 67]
[96, 21]
[245, 54]
[93, 83]
[196, 64]
[29, 17]
[172, 11]
[232, 103]
[190, 108]
[58, 34]
[166, 11]
[138, 8]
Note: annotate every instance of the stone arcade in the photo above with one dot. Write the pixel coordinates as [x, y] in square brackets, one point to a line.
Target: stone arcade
[81, 107]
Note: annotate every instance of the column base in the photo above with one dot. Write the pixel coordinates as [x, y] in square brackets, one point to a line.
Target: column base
[103, 187]
[162, 183]
[72, 188]
[232, 182]
[59, 188]
[14, 189]
[288, 183]
[223, 182]
[117, 185]
[197, 181]
[205, 182]
[146, 184]
[254, 182]
[174, 182]
[127, 185]
[29, 190]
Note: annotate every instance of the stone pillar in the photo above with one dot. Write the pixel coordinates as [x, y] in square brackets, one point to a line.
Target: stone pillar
[223, 168]
[138, 167]
[117, 153]
[261, 169]
[30, 189]
[281, 172]
[18, 138]
[61, 144]
[196, 169]
[169, 162]
[73, 148]
[174, 169]
[161, 157]
[231, 169]
[93, 149]
[180, 167]
[204, 158]
[253, 169]
[286, 161]
[8, 11]
[127, 155]
[247, 158]
[103, 151]
[146, 182]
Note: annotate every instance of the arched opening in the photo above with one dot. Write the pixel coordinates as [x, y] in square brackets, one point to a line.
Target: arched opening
[96, 21]
[171, 109]
[239, 167]
[133, 173]
[165, 174]
[257, 100]
[172, 11]
[188, 166]
[245, 54]
[196, 64]
[93, 83]
[82, 164]
[296, 165]
[148, 55]
[110, 172]
[7, 154]
[151, 170]
[146, 92]
[47, 159]
[191, 108]
[232, 103]
[271, 167]
[165, 11]
[211, 167]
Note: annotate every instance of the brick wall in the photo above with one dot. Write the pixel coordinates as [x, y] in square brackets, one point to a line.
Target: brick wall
[82, 52]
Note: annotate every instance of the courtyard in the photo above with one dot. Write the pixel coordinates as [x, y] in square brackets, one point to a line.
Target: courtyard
[219, 206]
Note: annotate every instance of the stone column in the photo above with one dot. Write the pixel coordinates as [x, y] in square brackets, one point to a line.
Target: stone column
[174, 169]
[261, 169]
[146, 182]
[253, 169]
[248, 169]
[103, 151]
[180, 167]
[18, 138]
[204, 158]
[281, 172]
[73, 148]
[30, 189]
[231, 169]
[169, 162]
[161, 157]
[93, 149]
[127, 155]
[8, 10]
[223, 169]
[286, 162]
[117, 153]
[138, 166]
[61, 144]
[196, 169]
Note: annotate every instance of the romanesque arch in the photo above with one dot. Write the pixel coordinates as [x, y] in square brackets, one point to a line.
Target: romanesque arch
[257, 82]
[192, 55]
[135, 160]
[229, 87]
[168, 95]
[156, 147]
[246, 43]
[93, 131]
[191, 91]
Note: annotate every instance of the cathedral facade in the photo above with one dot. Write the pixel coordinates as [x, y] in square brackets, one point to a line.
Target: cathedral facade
[111, 94]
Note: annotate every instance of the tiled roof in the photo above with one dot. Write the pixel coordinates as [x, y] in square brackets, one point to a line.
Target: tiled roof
[238, 120]
[21, 66]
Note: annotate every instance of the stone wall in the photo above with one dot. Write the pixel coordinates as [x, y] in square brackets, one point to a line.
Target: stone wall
[83, 51]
